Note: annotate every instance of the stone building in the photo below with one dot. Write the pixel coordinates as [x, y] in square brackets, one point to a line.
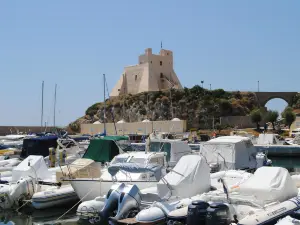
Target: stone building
[153, 73]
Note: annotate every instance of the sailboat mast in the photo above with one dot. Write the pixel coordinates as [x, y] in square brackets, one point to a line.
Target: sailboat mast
[54, 108]
[104, 103]
[171, 97]
[42, 111]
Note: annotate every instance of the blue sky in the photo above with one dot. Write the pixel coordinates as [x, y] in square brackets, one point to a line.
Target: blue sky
[229, 44]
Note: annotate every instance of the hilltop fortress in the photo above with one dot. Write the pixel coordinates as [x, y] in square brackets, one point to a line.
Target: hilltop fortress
[152, 73]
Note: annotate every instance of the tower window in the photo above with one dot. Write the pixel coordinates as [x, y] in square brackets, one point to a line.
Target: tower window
[160, 63]
[161, 75]
[135, 77]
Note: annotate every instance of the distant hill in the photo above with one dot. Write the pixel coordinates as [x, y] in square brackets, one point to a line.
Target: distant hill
[195, 105]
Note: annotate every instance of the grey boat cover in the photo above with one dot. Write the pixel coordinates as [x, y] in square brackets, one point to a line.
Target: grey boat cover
[156, 169]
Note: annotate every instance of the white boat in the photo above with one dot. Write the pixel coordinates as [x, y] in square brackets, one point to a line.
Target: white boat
[262, 199]
[13, 140]
[270, 139]
[232, 153]
[293, 141]
[31, 179]
[56, 151]
[224, 153]
[190, 173]
[162, 152]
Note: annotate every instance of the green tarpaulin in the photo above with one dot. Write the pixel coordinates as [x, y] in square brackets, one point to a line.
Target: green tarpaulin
[103, 149]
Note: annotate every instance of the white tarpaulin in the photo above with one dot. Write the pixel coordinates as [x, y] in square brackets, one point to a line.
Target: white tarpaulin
[269, 184]
[190, 176]
[34, 166]
[267, 139]
[230, 152]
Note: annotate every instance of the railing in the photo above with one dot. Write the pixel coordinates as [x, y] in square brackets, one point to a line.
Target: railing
[142, 146]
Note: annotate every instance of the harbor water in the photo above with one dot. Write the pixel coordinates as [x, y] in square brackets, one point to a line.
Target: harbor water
[49, 217]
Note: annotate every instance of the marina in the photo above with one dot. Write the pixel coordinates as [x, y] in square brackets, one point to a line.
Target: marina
[49, 216]
[149, 113]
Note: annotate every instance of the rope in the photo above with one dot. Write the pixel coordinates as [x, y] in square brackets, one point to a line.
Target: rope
[74, 205]
[23, 205]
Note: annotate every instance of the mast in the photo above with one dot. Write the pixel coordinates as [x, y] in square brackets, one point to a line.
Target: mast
[111, 111]
[104, 103]
[54, 106]
[42, 111]
[171, 97]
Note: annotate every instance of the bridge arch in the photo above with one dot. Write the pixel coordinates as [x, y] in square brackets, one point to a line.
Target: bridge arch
[264, 97]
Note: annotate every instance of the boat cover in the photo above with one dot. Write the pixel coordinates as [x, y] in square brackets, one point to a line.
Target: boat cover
[38, 145]
[136, 168]
[33, 166]
[189, 177]
[103, 149]
[230, 152]
[267, 139]
[80, 168]
[269, 184]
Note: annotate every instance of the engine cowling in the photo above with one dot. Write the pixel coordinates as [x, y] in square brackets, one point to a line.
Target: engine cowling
[112, 199]
[129, 199]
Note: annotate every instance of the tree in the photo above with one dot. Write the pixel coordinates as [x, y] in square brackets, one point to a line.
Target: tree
[272, 117]
[220, 127]
[256, 117]
[289, 116]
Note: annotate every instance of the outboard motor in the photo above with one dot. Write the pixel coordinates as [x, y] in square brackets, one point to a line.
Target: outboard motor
[13, 194]
[112, 198]
[129, 200]
[218, 213]
[197, 212]
[262, 160]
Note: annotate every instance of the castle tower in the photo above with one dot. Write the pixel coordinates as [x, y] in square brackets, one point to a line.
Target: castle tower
[153, 73]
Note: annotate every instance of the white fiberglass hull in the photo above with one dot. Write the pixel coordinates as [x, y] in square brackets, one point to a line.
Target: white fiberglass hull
[89, 189]
[54, 197]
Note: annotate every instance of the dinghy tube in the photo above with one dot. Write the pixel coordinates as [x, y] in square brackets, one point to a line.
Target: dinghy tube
[272, 214]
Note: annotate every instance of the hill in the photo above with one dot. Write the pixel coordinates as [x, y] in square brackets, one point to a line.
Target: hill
[195, 105]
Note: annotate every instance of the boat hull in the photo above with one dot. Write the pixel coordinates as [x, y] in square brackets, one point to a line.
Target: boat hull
[88, 189]
[54, 197]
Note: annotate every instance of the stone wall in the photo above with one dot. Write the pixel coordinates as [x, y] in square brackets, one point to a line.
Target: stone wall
[4, 130]
[135, 128]
[238, 121]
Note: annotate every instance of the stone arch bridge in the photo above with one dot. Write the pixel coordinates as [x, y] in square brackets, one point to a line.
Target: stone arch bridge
[264, 97]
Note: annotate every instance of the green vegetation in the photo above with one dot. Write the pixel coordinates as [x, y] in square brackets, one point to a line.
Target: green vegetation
[198, 106]
[256, 117]
[296, 102]
[289, 116]
[272, 116]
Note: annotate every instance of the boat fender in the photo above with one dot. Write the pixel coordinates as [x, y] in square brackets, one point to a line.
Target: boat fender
[52, 156]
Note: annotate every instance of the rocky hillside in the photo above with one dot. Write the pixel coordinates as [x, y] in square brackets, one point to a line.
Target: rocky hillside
[196, 105]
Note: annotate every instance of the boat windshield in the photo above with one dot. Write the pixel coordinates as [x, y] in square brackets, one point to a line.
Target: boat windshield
[126, 146]
[161, 147]
[137, 160]
[119, 160]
